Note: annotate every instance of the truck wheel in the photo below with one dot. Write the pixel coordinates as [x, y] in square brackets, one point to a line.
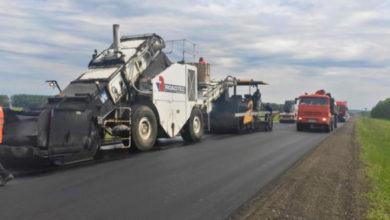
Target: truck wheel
[328, 128]
[194, 128]
[299, 127]
[143, 127]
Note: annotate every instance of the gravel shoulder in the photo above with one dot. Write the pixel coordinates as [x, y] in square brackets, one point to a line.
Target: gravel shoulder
[326, 183]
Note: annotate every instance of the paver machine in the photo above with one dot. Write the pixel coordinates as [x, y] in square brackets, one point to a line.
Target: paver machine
[240, 111]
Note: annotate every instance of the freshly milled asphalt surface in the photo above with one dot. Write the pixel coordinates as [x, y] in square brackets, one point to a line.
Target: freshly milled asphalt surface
[208, 180]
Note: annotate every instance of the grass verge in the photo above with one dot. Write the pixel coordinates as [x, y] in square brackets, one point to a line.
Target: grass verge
[276, 118]
[374, 137]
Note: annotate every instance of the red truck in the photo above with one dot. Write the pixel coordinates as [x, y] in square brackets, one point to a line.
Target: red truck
[342, 109]
[316, 111]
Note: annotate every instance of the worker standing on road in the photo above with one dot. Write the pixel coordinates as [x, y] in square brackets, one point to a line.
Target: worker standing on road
[268, 107]
[201, 61]
[256, 99]
[5, 176]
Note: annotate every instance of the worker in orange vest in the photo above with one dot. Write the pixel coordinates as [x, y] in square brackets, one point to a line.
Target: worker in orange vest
[5, 176]
[201, 61]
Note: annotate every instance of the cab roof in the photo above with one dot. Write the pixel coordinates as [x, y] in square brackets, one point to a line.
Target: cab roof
[250, 82]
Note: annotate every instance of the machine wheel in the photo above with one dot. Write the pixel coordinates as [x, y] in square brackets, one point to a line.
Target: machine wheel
[335, 122]
[95, 145]
[194, 128]
[143, 127]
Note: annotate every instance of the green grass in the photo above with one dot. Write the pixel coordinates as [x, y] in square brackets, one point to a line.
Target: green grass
[17, 108]
[276, 118]
[374, 136]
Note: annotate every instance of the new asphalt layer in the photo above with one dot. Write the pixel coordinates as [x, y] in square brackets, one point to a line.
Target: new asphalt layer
[207, 180]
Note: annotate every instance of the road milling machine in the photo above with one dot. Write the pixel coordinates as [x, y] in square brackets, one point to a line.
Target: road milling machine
[130, 95]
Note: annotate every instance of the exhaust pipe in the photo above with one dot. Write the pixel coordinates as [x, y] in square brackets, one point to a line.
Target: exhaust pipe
[116, 37]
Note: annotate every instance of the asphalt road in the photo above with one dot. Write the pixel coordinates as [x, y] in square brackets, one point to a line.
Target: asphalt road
[208, 180]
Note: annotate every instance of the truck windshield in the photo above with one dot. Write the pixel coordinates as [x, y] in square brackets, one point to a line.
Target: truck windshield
[289, 106]
[313, 101]
[342, 108]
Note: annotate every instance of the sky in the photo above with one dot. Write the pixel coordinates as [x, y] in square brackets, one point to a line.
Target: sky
[296, 46]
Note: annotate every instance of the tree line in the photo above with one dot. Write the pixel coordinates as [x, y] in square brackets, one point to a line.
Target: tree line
[381, 110]
[35, 101]
[23, 101]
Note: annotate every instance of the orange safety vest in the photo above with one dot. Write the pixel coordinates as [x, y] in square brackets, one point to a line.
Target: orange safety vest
[1, 124]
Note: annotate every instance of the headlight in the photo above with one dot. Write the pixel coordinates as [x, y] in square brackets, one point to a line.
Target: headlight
[299, 118]
[323, 119]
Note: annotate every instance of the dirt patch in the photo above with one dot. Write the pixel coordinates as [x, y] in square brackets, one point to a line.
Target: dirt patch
[327, 183]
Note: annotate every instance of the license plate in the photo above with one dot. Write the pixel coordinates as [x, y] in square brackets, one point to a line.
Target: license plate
[312, 121]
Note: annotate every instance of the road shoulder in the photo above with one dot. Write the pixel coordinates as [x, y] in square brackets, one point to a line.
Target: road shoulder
[327, 183]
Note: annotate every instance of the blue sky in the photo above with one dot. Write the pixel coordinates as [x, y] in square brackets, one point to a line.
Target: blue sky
[296, 46]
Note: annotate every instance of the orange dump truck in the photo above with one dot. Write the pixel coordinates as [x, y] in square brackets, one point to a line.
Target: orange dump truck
[343, 113]
[316, 111]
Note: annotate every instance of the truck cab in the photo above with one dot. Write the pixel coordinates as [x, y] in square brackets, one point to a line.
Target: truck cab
[316, 111]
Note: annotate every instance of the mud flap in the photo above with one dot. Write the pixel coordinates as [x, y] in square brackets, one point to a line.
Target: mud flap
[20, 128]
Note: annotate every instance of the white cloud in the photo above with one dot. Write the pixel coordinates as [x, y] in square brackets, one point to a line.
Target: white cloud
[296, 45]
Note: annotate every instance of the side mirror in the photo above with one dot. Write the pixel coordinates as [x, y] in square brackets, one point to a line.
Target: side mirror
[296, 100]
